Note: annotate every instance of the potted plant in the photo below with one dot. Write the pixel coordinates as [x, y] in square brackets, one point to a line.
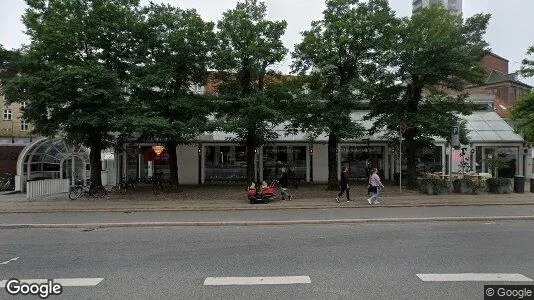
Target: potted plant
[463, 185]
[432, 186]
[497, 185]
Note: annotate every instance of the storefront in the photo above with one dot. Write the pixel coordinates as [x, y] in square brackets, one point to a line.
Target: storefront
[291, 157]
[144, 160]
[225, 163]
[360, 159]
[509, 155]
[212, 159]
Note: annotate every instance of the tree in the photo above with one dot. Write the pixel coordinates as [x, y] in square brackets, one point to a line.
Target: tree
[523, 112]
[73, 74]
[7, 59]
[527, 69]
[437, 55]
[248, 45]
[175, 48]
[346, 53]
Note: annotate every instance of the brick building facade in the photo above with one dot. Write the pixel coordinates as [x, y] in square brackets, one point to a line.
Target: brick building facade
[504, 86]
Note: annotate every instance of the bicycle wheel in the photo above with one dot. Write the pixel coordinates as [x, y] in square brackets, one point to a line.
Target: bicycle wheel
[75, 192]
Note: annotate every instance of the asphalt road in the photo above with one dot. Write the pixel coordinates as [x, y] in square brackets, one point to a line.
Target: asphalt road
[267, 215]
[359, 261]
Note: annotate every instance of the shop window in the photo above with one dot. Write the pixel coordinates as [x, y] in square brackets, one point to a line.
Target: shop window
[510, 156]
[289, 157]
[429, 160]
[225, 163]
[360, 159]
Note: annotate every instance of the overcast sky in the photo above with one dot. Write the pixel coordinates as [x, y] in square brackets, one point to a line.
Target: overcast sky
[509, 33]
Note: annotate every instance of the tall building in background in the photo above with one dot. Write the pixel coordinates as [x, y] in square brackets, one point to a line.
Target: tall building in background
[454, 6]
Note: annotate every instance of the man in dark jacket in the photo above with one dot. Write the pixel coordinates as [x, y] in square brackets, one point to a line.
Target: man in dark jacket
[344, 184]
[284, 181]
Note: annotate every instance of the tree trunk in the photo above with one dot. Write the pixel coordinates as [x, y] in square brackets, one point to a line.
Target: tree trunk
[251, 147]
[95, 161]
[333, 183]
[410, 161]
[171, 147]
[415, 91]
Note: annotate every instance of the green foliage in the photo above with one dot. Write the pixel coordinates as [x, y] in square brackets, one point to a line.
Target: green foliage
[7, 61]
[435, 50]
[174, 47]
[73, 74]
[523, 112]
[436, 53]
[527, 69]
[250, 101]
[472, 185]
[341, 56]
[433, 186]
[499, 185]
[345, 52]
[495, 163]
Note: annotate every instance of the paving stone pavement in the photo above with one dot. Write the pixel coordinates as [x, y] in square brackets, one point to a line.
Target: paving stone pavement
[234, 198]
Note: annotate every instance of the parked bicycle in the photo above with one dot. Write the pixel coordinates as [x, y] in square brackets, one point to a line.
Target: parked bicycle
[7, 183]
[157, 182]
[125, 185]
[87, 190]
[157, 185]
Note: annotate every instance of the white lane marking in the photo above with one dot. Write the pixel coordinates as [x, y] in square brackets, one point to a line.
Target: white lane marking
[474, 277]
[8, 261]
[256, 280]
[62, 281]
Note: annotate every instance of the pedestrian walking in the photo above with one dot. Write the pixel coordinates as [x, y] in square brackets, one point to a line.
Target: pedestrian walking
[344, 184]
[284, 182]
[376, 185]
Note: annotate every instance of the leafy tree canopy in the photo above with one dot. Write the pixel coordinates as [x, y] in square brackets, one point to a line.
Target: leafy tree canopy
[75, 70]
[528, 64]
[249, 101]
[342, 55]
[436, 57]
[175, 47]
[523, 112]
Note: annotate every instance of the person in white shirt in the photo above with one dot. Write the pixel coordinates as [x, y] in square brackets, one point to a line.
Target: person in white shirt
[376, 185]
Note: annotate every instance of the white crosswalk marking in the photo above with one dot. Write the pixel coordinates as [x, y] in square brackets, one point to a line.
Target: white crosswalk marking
[474, 277]
[256, 280]
[62, 281]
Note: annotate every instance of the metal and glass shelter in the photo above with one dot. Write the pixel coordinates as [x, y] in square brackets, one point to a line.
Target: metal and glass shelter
[47, 158]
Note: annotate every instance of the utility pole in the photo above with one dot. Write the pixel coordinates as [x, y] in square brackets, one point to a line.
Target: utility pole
[402, 129]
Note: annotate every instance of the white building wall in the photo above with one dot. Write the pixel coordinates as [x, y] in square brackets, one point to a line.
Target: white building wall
[188, 164]
[320, 163]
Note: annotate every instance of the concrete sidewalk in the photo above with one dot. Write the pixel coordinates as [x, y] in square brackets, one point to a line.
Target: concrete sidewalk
[234, 198]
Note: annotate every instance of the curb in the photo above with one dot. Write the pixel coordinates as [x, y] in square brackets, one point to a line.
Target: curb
[259, 207]
[264, 223]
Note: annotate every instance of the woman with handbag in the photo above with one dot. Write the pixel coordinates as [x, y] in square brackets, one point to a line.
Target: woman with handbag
[376, 185]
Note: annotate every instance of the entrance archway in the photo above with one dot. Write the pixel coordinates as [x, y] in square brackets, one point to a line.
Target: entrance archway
[51, 159]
